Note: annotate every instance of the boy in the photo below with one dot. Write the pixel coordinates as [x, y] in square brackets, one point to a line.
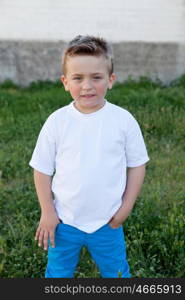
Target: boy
[89, 144]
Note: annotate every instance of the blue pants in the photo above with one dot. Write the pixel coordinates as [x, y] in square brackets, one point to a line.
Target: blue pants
[106, 246]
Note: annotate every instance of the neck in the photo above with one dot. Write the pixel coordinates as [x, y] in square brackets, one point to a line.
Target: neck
[90, 110]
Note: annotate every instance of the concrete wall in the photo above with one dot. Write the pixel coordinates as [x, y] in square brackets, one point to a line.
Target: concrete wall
[24, 62]
[148, 36]
[118, 20]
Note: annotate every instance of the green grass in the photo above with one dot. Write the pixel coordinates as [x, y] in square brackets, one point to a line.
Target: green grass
[155, 231]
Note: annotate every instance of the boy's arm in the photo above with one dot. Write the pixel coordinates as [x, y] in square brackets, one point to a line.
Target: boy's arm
[49, 218]
[135, 179]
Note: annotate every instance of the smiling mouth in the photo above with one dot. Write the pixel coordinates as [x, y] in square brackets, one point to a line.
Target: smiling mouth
[88, 96]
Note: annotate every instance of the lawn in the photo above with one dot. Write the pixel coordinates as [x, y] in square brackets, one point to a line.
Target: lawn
[155, 231]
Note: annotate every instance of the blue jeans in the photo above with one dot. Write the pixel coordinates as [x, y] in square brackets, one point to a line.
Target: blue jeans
[106, 246]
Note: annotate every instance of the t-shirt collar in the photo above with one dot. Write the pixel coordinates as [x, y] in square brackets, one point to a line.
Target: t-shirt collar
[88, 115]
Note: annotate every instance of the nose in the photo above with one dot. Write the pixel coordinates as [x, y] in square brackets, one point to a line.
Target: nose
[87, 85]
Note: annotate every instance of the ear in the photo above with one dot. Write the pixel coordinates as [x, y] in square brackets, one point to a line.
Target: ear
[112, 79]
[65, 82]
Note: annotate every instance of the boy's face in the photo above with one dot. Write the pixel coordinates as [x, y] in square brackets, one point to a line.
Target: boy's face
[87, 79]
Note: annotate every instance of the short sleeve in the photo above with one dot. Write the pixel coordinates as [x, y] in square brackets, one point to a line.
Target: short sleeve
[135, 149]
[43, 157]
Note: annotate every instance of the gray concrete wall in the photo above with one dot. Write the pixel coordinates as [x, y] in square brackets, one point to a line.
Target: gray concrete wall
[148, 36]
[26, 61]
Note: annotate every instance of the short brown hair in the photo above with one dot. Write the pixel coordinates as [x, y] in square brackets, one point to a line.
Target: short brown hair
[88, 45]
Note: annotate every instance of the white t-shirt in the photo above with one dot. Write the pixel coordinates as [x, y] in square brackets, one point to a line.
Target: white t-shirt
[88, 154]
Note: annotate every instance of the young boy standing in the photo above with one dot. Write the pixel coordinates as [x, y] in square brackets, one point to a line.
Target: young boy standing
[80, 161]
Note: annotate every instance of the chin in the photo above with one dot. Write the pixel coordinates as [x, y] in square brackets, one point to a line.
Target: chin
[88, 103]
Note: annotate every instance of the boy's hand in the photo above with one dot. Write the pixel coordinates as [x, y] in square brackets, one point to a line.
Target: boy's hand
[115, 222]
[46, 229]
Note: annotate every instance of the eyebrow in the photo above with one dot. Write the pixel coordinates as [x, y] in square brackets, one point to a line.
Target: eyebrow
[90, 74]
